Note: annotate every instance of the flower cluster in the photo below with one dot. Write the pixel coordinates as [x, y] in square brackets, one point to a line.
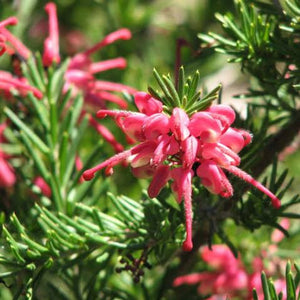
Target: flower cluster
[80, 75]
[229, 276]
[177, 147]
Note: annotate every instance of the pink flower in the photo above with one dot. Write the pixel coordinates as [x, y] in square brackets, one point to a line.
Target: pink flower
[172, 146]
[228, 277]
[51, 44]
[81, 70]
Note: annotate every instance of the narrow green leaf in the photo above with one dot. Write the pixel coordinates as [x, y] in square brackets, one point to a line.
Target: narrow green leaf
[35, 157]
[29, 133]
[293, 7]
[35, 76]
[290, 287]
[53, 120]
[104, 240]
[63, 154]
[297, 277]
[181, 83]
[77, 108]
[194, 85]
[73, 150]
[74, 223]
[168, 98]
[56, 81]
[34, 245]
[98, 220]
[154, 93]
[172, 90]
[63, 102]
[40, 67]
[254, 294]
[272, 290]
[122, 212]
[265, 286]
[129, 204]
[13, 245]
[41, 111]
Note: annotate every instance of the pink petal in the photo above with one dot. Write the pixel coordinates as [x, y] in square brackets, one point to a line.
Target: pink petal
[220, 258]
[51, 44]
[233, 139]
[123, 34]
[179, 123]
[156, 125]
[146, 104]
[112, 98]
[144, 153]
[20, 85]
[109, 163]
[80, 79]
[206, 127]
[17, 44]
[7, 174]
[220, 154]
[189, 147]
[107, 135]
[133, 126]
[163, 149]
[159, 180]
[224, 113]
[112, 86]
[194, 278]
[214, 179]
[115, 63]
[8, 21]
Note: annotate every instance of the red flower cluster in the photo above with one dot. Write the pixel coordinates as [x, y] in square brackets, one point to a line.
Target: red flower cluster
[228, 277]
[178, 147]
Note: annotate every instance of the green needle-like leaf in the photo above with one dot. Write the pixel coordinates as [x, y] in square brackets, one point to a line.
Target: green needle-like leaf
[29, 133]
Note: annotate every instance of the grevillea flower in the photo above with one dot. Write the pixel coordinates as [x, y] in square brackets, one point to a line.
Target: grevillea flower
[81, 70]
[178, 147]
[81, 74]
[228, 277]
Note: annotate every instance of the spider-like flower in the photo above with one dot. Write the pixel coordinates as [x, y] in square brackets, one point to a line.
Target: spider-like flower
[178, 147]
[80, 75]
[228, 278]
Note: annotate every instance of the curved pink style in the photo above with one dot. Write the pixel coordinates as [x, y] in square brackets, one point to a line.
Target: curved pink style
[51, 44]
